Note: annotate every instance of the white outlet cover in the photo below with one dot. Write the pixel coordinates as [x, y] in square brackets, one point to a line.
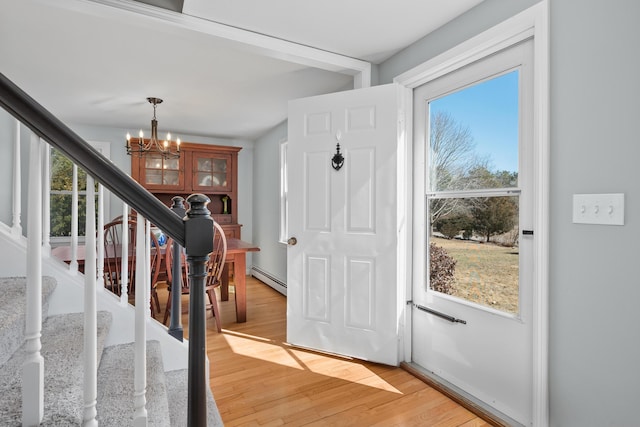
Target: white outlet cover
[604, 209]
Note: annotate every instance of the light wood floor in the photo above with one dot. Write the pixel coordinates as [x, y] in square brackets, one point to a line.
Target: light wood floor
[259, 380]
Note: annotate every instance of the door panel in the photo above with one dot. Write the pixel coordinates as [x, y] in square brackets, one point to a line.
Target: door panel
[465, 202]
[317, 290]
[341, 273]
[317, 192]
[361, 183]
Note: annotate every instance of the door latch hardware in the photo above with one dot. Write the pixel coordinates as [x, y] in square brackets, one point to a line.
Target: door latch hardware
[439, 314]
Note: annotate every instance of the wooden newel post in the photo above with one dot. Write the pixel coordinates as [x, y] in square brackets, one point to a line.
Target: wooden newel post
[175, 323]
[198, 226]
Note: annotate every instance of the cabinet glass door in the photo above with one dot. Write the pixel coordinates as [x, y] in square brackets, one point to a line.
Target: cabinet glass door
[161, 172]
[211, 173]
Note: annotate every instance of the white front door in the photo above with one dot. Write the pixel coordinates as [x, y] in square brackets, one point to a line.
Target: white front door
[342, 267]
[472, 316]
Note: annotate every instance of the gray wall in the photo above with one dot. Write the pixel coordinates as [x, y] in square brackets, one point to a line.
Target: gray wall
[272, 257]
[482, 17]
[595, 288]
[594, 285]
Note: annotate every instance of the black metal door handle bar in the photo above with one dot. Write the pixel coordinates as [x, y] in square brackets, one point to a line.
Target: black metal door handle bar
[439, 314]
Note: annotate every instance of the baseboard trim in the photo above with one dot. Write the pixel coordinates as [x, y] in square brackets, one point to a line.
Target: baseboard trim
[269, 279]
[490, 415]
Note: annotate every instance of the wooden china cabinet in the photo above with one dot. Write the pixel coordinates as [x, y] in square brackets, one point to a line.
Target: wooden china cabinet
[208, 169]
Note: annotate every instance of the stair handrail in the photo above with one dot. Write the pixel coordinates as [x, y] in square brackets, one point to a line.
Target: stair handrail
[194, 232]
[48, 127]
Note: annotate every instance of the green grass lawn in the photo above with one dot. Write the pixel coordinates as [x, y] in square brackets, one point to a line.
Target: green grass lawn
[486, 274]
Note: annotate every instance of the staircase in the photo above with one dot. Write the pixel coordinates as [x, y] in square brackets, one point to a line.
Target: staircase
[62, 342]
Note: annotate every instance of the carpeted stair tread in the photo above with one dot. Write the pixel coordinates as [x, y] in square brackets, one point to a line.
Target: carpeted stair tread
[62, 350]
[12, 312]
[177, 392]
[116, 386]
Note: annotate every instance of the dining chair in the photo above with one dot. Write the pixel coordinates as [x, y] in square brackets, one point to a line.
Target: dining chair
[113, 259]
[184, 282]
[215, 266]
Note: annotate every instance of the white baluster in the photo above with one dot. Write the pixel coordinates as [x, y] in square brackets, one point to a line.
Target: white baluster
[140, 375]
[46, 201]
[33, 367]
[73, 265]
[17, 183]
[147, 264]
[124, 241]
[100, 239]
[90, 314]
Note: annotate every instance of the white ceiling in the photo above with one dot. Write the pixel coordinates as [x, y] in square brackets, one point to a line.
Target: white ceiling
[223, 68]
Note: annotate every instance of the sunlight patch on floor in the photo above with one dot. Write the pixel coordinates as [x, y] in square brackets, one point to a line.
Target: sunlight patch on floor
[260, 348]
[267, 350]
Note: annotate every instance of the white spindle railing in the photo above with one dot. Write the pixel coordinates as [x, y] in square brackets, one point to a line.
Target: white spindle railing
[38, 243]
[124, 277]
[46, 201]
[17, 181]
[33, 367]
[90, 313]
[100, 239]
[140, 377]
[147, 263]
[74, 220]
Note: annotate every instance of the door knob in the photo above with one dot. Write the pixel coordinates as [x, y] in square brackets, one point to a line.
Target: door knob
[292, 241]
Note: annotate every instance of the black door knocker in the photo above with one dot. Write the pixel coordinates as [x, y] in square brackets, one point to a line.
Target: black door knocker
[338, 159]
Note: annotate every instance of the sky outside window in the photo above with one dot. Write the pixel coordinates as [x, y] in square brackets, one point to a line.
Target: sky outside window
[490, 111]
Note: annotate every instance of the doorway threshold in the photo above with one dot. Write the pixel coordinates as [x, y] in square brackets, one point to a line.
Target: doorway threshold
[481, 409]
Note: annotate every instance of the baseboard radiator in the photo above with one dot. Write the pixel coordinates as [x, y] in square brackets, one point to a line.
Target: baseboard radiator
[269, 279]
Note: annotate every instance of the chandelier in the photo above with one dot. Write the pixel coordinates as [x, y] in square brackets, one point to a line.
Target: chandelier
[153, 145]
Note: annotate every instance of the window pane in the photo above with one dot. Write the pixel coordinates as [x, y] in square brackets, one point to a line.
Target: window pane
[153, 161]
[62, 173]
[473, 251]
[204, 179]
[170, 177]
[220, 179]
[153, 176]
[204, 165]
[219, 165]
[474, 136]
[61, 214]
[173, 164]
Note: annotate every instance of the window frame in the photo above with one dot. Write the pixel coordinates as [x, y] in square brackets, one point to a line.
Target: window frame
[284, 193]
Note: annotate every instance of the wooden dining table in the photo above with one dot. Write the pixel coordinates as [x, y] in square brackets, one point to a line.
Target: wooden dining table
[236, 255]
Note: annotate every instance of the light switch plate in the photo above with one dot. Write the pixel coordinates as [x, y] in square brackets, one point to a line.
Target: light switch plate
[606, 209]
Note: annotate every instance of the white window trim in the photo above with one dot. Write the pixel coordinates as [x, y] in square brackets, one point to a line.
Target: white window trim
[533, 22]
[284, 201]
